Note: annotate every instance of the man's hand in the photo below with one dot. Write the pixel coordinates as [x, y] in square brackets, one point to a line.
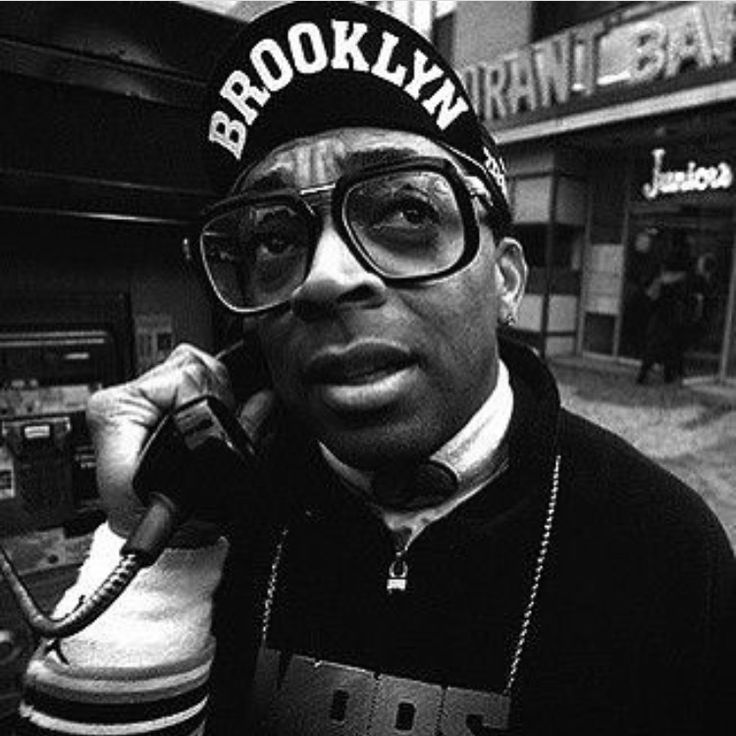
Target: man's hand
[122, 417]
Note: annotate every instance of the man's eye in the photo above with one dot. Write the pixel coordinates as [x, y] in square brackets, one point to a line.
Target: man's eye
[271, 246]
[406, 211]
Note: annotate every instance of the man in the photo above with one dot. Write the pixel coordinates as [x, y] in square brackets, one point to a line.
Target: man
[431, 545]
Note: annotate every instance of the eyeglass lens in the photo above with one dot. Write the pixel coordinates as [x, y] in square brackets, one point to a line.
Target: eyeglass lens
[405, 223]
[256, 255]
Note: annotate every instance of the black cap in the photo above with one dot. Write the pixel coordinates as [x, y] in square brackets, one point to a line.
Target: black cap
[307, 67]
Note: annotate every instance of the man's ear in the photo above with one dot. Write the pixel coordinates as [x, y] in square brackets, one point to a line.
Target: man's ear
[511, 274]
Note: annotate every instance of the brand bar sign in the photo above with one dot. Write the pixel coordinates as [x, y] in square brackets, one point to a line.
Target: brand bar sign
[604, 54]
[694, 178]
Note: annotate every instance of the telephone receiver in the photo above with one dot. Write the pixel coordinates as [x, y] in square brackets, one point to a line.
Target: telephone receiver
[200, 451]
[196, 455]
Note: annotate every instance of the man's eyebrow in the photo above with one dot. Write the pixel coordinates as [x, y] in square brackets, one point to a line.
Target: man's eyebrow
[357, 160]
[353, 161]
[271, 181]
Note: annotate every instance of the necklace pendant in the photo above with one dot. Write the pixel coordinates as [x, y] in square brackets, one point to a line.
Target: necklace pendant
[398, 576]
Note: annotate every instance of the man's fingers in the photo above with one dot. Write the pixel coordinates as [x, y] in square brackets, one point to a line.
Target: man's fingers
[187, 374]
[121, 419]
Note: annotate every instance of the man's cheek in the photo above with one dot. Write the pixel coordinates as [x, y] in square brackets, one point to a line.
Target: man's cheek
[287, 379]
[277, 362]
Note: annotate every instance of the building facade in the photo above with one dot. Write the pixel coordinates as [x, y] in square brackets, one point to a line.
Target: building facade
[618, 124]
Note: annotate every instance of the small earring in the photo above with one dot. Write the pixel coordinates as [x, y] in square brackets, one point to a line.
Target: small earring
[508, 319]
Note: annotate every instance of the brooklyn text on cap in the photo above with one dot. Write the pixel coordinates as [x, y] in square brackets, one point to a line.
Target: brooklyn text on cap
[307, 67]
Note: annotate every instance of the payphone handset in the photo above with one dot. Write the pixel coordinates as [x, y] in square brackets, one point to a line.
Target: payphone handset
[202, 434]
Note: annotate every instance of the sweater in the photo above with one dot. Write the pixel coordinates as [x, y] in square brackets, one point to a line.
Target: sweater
[631, 629]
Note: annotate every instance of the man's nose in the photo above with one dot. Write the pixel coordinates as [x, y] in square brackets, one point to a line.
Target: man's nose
[336, 280]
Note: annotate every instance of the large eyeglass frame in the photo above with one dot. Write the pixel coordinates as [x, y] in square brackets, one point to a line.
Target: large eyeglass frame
[465, 188]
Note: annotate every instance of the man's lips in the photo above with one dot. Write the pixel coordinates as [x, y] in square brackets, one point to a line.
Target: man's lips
[365, 376]
[357, 363]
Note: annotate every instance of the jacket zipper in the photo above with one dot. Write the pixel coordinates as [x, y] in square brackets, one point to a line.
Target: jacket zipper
[398, 571]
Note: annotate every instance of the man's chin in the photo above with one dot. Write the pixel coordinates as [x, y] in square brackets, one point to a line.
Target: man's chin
[373, 447]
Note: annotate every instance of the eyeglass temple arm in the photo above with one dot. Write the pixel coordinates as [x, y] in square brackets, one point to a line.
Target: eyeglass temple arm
[478, 189]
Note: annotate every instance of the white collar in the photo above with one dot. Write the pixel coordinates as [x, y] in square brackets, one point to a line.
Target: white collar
[473, 455]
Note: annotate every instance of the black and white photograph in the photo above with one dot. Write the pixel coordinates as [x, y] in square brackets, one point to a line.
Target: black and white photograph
[367, 368]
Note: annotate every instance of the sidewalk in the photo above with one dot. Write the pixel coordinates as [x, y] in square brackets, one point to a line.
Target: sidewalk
[690, 430]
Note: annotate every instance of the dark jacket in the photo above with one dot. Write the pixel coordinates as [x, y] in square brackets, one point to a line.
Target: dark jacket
[633, 630]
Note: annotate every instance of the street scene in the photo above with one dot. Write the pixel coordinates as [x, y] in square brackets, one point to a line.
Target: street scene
[289, 293]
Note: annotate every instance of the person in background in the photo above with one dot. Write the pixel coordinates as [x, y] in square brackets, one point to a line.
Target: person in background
[704, 295]
[642, 267]
[430, 544]
[669, 327]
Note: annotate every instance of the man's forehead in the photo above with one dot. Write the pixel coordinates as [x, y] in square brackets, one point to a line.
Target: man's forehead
[324, 158]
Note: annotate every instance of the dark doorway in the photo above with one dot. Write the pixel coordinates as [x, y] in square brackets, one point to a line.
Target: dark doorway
[699, 239]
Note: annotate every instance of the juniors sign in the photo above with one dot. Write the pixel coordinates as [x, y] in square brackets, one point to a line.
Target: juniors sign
[608, 53]
[696, 177]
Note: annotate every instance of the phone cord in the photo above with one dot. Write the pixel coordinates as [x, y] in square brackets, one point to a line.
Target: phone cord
[141, 549]
[89, 607]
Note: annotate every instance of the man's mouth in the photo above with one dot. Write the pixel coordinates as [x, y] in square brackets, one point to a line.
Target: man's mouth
[361, 376]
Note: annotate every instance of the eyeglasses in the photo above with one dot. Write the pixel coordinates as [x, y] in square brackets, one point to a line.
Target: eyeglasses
[407, 222]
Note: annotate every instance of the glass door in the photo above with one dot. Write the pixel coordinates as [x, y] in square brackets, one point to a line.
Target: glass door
[692, 244]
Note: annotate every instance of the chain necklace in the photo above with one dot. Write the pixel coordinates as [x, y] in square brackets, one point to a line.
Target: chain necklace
[529, 609]
[536, 581]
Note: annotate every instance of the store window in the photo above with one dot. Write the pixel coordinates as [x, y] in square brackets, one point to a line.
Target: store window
[531, 199]
[681, 232]
[695, 246]
[550, 202]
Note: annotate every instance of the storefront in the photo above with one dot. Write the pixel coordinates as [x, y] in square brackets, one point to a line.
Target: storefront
[620, 136]
[681, 215]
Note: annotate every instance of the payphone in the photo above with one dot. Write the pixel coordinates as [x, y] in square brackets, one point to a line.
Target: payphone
[48, 500]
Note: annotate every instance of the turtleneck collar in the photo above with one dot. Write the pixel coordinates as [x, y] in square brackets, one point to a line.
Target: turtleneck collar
[473, 456]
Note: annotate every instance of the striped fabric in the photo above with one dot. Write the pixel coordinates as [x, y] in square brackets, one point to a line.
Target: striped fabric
[143, 666]
[161, 701]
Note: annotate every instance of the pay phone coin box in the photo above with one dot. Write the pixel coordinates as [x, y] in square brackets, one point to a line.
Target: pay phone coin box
[36, 473]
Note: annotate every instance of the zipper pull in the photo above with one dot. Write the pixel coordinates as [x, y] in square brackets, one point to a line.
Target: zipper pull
[398, 573]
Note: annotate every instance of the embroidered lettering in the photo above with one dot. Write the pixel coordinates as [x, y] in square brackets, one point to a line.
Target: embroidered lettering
[348, 46]
[422, 75]
[305, 52]
[238, 90]
[318, 53]
[281, 72]
[495, 168]
[230, 134]
[382, 66]
[443, 99]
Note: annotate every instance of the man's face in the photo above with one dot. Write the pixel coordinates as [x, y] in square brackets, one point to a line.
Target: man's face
[380, 373]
